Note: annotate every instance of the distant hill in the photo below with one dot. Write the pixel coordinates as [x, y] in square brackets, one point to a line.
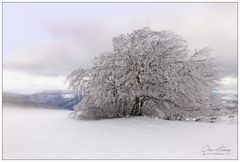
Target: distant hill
[58, 99]
[230, 100]
[49, 99]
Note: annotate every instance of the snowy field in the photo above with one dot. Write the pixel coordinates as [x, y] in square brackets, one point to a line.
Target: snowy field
[30, 133]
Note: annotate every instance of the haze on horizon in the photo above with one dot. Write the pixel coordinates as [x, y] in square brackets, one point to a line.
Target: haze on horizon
[44, 42]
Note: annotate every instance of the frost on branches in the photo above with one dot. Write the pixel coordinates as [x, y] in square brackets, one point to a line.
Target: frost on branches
[148, 73]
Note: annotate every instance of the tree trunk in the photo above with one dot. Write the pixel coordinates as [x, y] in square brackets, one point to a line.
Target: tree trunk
[137, 107]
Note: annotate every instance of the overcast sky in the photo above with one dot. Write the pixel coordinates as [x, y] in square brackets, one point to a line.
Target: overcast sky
[44, 42]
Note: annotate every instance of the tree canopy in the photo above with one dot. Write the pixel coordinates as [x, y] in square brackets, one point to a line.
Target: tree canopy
[148, 73]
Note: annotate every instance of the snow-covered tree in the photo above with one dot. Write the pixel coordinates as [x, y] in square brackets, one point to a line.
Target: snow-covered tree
[148, 73]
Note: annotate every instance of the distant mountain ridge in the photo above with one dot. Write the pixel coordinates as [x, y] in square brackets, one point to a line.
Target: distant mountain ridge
[49, 99]
[59, 99]
[230, 100]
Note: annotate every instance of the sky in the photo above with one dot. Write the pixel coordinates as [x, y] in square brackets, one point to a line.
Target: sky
[44, 42]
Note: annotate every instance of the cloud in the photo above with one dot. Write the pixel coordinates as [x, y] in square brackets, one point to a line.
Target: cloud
[49, 60]
[51, 40]
[71, 46]
[80, 35]
[20, 82]
[228, 85]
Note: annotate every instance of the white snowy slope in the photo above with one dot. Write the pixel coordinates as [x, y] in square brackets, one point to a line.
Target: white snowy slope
[50, 134]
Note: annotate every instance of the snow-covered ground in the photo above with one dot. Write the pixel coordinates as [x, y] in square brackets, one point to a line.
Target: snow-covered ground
[30, 133]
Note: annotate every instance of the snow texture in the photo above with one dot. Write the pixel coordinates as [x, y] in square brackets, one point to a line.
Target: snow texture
[30, 133]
